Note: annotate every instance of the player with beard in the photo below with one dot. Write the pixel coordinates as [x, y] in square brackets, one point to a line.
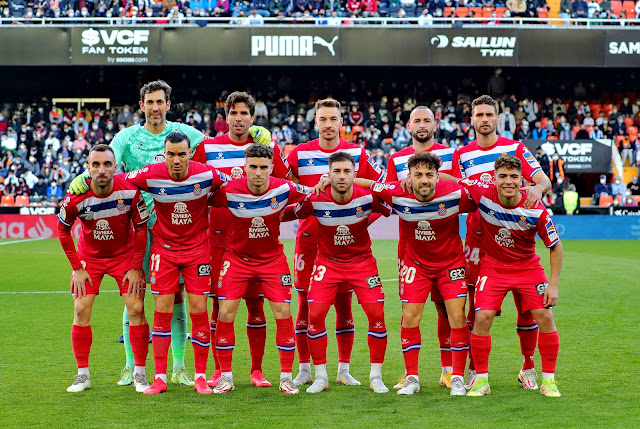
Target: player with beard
[422, 126]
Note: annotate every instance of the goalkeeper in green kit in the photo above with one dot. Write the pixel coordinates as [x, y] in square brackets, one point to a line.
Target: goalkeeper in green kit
[137, 146]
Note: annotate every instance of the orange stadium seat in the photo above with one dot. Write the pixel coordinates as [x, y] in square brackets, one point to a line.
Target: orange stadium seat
[632, 131]
[630, 13]
[543, 12]
[7, 200]
[462, 12]
[544, 122]
[22, 200]
[619, 139]
[477, 11]
[605, 200]
[628, 122]
[448, 11]
[628, 4]
[575, 129]
[607, 108]
[357, 129]
[500, 11]
[589, 128]
[487, 11]
[637, 198]
[552, 137]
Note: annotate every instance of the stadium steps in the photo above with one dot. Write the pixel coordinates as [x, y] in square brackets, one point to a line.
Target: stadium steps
[554, 12]
[628, 173]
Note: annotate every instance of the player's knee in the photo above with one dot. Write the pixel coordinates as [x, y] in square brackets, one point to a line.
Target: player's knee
[281, 310]
[545, 321]
[456, 318]
[483, 321]
[136, 312]
[441, 309]
[81, 314]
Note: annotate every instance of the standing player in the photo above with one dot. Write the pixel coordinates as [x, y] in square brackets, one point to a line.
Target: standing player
[422, 126]
[309, 162]
[510, 263]
[226, 154]
[255, 253]
[433, 259]
[107, 245]
[180, 247]
[475, 162]
[344, 256]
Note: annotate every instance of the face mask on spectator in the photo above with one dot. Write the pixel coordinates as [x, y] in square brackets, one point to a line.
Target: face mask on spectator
[23, 138]
[617, 180]
[108, 14]
[555, 157]
[32, 159]
[54, 128]
[603, 181]
[95, 126]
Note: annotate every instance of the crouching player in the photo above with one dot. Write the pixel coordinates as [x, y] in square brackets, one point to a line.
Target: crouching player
[433, 260]
[107, 245]
[179, 188]
[254, 253]
[344, 257]
[511, 264]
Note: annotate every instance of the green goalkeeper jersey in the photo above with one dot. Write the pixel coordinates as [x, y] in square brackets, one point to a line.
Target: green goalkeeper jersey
[136, 147]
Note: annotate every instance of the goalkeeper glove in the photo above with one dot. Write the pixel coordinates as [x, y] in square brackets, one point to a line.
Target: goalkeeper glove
[79, 185]
[260, 135]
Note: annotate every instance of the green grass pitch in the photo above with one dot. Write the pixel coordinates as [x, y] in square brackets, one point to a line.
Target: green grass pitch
[597, 369]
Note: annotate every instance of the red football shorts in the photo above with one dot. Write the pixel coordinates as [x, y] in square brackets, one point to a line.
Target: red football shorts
[238, 273]
[528, 287]
[217, 253]
[97, 268]
[305, 255]
[330, 277]
[418, 282]
[167, 265]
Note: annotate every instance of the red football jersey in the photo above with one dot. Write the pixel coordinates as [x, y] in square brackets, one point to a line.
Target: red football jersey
[509, 234]
[309, 162]
[228, 157]
[181, 206]
[430, 229]
[342, 230]
[106, 219]
[255, 222]
[398, 169]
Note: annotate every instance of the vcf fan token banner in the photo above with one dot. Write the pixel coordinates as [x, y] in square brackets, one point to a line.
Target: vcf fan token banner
[580, 156]
[115, 46]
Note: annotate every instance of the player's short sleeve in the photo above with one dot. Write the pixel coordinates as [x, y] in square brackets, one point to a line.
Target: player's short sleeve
[467, 204]
[138, 178]
[298, 193]
[530, 165]
[219, 178]
[380, 206]
[194, 135]
[281, 167]
[200, 155]
[369, 169]
[475, 189]
[139, 211]
[292, 162]
[119, 145]
[456, 166]
[304, 209]
[392, 172]
[384, 191]
[219, 198]
[547, 229]
[68, 212]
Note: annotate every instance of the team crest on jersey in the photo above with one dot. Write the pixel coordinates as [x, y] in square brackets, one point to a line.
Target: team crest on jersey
[522, 222]
[442, 210]
[485, 178]
[343, 236]
[153, 277]
[274, 203]
[258, 228]
[159, 158]
[359, 212]
[503, 238]
[197, 190]
[424, 232]
[102, 231]
[236, 172]
[121, 207]
[181, 215]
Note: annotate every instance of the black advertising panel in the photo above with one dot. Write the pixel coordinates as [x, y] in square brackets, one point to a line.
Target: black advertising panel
[300, 46]
[205, 46]
[488, 46]
[558, 47]
[389, 46]
[580, 156]
[623, 48]
[115, 45]
[34, 46]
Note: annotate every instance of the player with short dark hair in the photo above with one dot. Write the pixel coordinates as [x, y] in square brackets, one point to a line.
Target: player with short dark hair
[255, 256]
[433, 260]
[309, 162]
[476, 162]
[108, 245]
[226, 153]
[510, 263]
[344, 259]
[180, 247]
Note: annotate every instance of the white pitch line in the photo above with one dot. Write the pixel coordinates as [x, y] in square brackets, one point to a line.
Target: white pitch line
[22, 241]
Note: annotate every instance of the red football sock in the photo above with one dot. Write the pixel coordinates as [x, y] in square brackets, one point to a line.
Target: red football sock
[411, 340]
[481, 349]
[527, 330]
[81, 339]
[459, 349]
[549, 345]
[213, 323]
[256, 331]
[139, 338]
[471, 320]
[286, 342]
[377, 338]
[317, 332]
[302, 320]
[225, 343]
[200, 340]
[444, 338]
[345, 330]
[161, 339]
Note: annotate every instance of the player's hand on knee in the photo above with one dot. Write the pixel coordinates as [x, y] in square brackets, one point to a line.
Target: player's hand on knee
[79, 278]
[260, 135]
[136, 281]
[79, 185]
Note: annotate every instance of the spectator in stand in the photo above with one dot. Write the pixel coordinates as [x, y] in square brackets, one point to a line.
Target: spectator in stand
[289, 135]
[55, 191]
[564, 129]
[593, 9]
[539, 133]
[523, 133]
[530, 109]
[518, 8]
[601, 119]
[370, 8]
[125, 116]
[596, 133]
[425, 18]
[262, 113]
[401, 136]
[332, 5]
[354, 6]
[618, 189]
[588, 120]
[566, 10]
[80, 143]
[303, 5]
[602, 188]
[261, 7]
[408, 5]
[40, 188]
[634, 186]
[625, 108]
[286, 107]
[22, 188]
[543, 160]
[95, 134]
[556, 167]
[571, 201]
[605, 6]
[507, 123]
[626, 150]
[582, 134]
[255, 18]
[355, 116]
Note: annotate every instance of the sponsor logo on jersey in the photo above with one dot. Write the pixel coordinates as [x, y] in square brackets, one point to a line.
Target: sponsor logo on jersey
[457, 274]
[503, 238]
[204, 270]
[424, 232]
[121, 207]
[302, 189]
[181, 215]
[374, 281]
[542, 287]
[159, 158]
[285, 280]
[343, 236]
[442, 210]
[63, 213]
[142, 209]
[551, 230]
[378, 187]
[102, 231]
[274, 203]
[486, 178]
[134, 173]
[236, 172]
[258, 228]
[241, 206]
